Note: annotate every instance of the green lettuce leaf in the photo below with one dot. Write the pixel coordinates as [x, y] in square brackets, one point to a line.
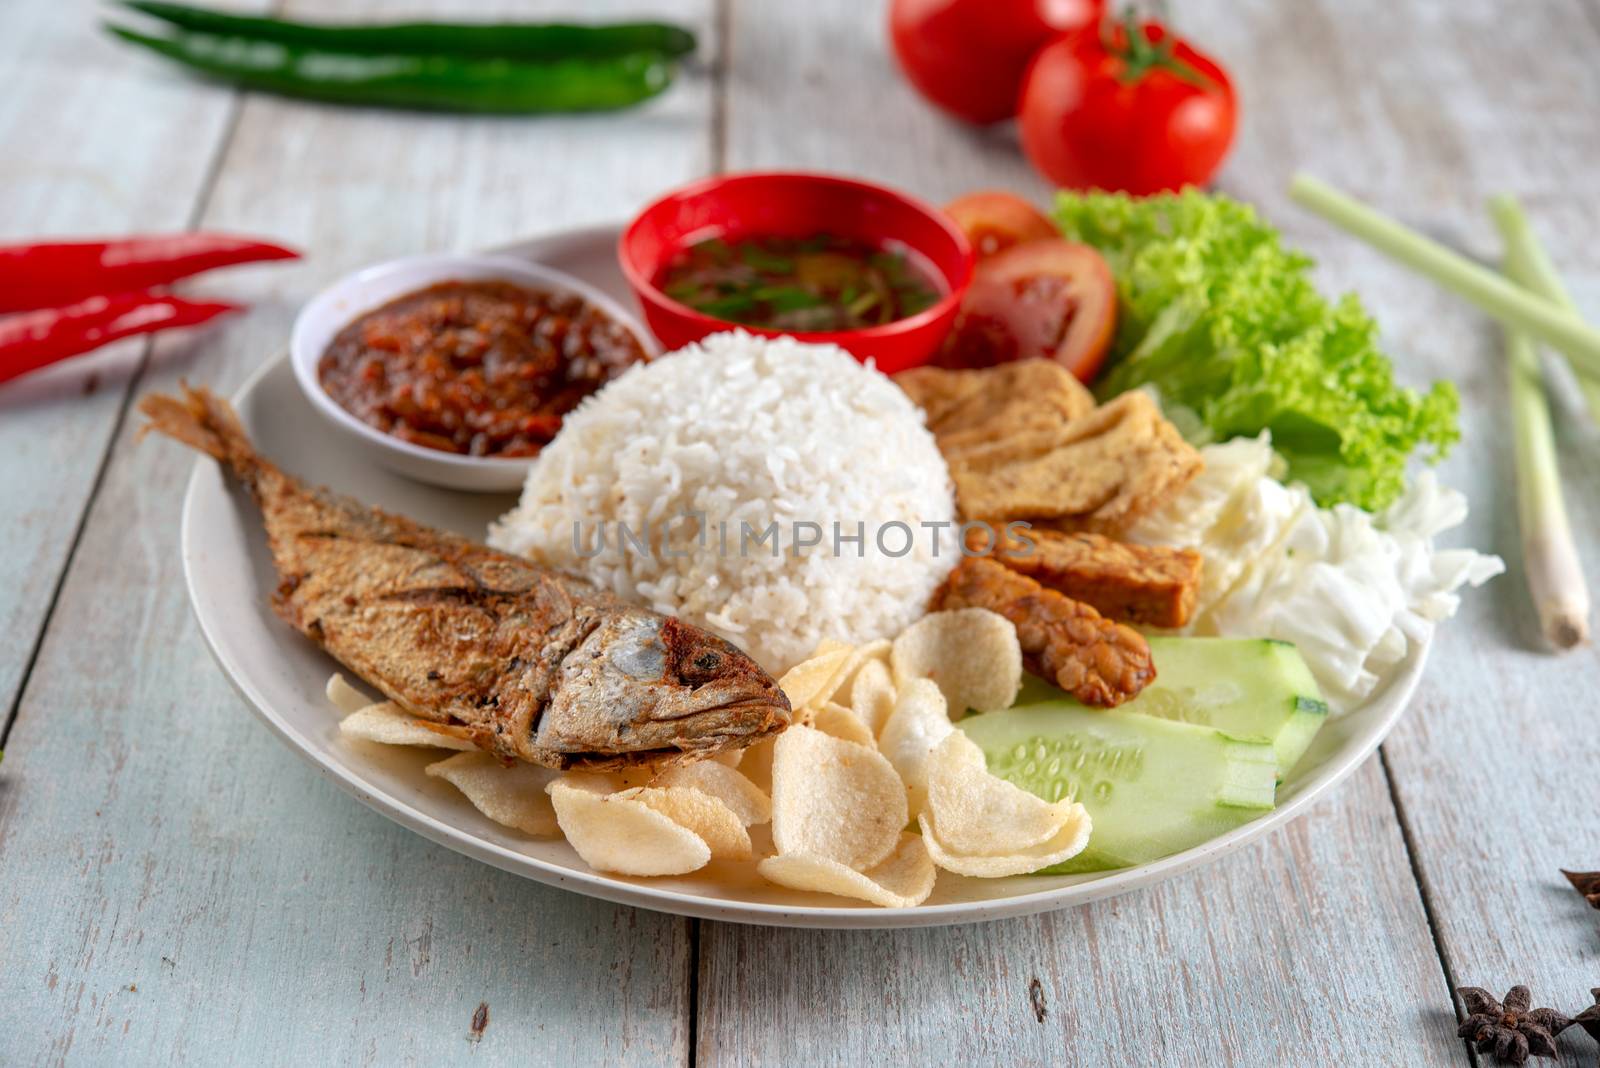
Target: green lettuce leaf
[1225, 322]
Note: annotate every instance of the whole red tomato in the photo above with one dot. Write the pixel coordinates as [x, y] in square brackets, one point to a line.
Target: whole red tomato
[1131, 108]
[968, 56]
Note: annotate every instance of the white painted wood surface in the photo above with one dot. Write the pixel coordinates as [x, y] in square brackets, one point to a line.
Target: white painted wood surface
[225, 906]
[1223, 966]
[1299, 950]
[176, 888]
[1497, 767]
[92, 145]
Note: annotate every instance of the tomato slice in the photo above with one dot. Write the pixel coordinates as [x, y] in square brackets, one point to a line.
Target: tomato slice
[995, 221]
[1054, 299]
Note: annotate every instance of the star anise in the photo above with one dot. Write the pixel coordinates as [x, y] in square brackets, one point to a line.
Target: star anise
[1586, 883]
[1510, 1028]
[1589, 1019]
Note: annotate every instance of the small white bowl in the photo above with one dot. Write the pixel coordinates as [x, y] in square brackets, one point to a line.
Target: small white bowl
[366, 290]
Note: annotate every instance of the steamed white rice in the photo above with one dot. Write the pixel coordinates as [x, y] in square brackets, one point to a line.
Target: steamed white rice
[745, 432]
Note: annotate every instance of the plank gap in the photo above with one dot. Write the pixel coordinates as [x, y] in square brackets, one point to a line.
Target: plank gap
[721, 64]
[1591, 12]
[694, 991]
[402, 937]
[717, 151]
[722, 16]
[202, 198]
[1424, 891]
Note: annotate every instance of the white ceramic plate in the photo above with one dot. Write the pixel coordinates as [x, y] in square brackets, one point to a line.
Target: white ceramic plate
[282, 676]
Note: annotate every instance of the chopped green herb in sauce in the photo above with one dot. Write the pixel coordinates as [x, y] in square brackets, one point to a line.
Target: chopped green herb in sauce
[821, 282]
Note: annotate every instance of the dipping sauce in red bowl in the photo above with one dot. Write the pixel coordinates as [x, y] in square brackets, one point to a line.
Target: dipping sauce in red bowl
[771, 253]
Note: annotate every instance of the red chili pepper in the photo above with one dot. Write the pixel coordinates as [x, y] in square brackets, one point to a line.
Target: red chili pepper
[34, 339]
[51, 274]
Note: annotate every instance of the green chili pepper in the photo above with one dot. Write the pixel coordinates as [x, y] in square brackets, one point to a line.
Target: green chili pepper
[431, 82]
[509, 40]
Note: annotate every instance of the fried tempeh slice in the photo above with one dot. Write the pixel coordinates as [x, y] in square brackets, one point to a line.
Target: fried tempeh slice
[1097, 661]
[1098, 472]
[966, 409]
[1148, 584]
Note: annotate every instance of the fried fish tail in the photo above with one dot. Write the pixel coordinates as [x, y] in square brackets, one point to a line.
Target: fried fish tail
[204, 421]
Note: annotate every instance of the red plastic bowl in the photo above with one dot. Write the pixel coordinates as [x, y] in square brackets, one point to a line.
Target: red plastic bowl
[798, 205]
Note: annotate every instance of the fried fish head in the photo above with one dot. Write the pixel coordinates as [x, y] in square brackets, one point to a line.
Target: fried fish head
[645, 688]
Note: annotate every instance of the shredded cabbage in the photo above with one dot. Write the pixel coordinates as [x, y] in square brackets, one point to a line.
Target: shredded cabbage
[1353, 591]
[1226, 322]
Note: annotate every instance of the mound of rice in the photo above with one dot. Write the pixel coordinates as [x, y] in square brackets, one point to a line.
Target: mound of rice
[745, 432]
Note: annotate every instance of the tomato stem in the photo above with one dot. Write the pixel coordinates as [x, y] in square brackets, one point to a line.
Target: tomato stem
[1140, 55]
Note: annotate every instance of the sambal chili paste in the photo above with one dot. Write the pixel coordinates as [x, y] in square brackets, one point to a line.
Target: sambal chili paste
[478, 368]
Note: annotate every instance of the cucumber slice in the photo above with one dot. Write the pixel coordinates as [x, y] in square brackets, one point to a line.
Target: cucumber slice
[1249, 687]
[1152, 786]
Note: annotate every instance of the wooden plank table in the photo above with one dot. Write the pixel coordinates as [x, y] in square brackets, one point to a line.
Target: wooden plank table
[175, 887]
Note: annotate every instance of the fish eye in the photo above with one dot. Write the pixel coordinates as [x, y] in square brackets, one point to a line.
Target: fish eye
[707, 661]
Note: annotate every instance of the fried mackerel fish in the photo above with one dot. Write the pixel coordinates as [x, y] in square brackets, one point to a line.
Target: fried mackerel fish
[1098, 661]
[523, 662]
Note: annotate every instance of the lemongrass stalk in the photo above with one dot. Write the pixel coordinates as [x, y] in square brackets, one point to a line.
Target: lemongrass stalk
[1529, 265]
[1549, 558]
[1513, 305]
